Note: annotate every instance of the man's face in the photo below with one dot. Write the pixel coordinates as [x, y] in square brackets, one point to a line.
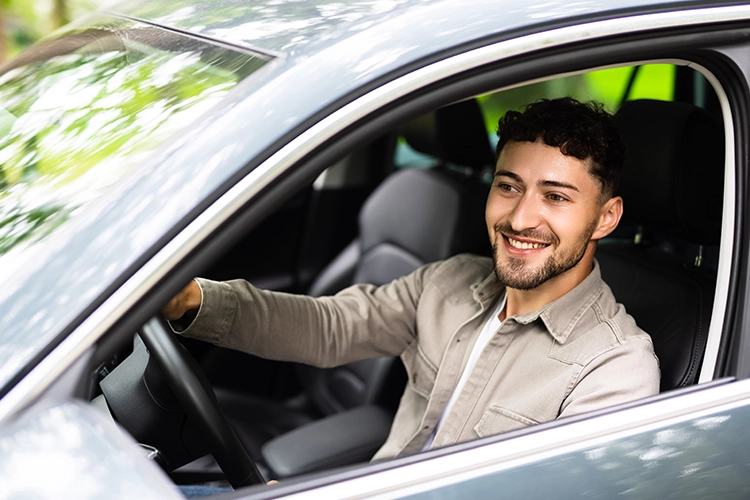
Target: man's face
[542, 213]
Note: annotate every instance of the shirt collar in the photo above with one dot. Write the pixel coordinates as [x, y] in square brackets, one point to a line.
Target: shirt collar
[559, 316]
[487, 289]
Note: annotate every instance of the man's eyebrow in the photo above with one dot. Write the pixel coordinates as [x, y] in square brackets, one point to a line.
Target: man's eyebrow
[510, 174]
[547, 183]
[558, 185]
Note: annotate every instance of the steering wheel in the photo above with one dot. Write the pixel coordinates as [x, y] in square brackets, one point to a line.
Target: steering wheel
[194, 393]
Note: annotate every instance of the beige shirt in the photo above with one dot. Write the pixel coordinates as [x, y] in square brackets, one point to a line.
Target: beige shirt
[578, 353]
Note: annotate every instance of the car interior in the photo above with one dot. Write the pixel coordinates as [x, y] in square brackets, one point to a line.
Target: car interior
[416, 195]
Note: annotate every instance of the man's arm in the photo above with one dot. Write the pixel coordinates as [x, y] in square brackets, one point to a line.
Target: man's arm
[362, 321]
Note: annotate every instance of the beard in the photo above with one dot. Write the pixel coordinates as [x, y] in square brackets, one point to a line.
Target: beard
[515, 273]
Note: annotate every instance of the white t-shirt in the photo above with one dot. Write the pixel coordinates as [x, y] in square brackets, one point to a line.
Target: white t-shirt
[489, 330]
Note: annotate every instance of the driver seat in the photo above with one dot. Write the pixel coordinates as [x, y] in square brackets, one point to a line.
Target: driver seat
[414, 217]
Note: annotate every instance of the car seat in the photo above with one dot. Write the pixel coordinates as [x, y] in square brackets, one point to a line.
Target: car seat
[672, 188]
[414, 217]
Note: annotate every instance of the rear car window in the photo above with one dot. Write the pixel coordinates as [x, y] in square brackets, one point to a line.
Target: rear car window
[610, 86]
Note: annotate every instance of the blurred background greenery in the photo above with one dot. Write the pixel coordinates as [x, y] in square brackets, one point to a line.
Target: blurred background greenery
[22, 22]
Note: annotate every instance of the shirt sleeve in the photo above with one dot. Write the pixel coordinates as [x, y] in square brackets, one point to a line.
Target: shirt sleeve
[628, 372]
[360, 322]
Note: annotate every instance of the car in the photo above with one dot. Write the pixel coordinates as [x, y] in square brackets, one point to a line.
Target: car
[305, 146]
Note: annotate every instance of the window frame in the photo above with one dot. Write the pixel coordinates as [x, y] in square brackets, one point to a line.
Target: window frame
[442, 93]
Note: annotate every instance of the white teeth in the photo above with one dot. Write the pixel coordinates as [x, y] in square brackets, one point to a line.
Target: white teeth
[524, 245]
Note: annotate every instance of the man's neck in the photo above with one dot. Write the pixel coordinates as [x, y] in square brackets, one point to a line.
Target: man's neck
[526, 301]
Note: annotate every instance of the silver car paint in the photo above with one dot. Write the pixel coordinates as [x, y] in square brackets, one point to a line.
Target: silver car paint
[300, 28]
[693, 442]
[67, 450]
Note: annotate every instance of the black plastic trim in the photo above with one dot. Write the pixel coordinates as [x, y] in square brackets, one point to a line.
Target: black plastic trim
[247, 48]
[736, 73]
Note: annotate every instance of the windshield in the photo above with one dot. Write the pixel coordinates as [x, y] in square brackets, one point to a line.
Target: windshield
[77, 112]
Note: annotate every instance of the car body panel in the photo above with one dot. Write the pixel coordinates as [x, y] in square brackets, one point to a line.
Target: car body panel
[652, 443]
[703, 457]
[67, 450]
[302, 27]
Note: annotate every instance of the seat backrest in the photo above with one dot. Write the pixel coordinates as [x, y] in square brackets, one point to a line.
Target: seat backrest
[418, 216]
[414, 217]
[672, 188]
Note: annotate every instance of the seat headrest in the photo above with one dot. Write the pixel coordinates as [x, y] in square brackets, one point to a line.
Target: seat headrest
[426, 214]
[454, 134]
[673, 177]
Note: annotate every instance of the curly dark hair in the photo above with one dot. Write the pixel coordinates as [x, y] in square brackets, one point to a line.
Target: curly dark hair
[581, 130]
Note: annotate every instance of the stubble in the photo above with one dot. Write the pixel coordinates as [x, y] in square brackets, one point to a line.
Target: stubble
[515, 273]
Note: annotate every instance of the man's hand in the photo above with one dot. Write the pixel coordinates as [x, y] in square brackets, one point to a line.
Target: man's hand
[188, 299]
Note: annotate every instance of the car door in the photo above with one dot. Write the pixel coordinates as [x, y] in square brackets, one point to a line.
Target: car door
[483, 466]
[663, 437]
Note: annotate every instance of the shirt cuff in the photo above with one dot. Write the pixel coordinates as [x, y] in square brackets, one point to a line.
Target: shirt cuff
[215, 315]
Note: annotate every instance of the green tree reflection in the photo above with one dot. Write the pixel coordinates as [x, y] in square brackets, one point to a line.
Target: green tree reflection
[78, 112]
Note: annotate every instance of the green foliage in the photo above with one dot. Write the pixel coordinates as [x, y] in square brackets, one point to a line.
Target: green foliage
[77, 122]
[27, 21]
[608, 86]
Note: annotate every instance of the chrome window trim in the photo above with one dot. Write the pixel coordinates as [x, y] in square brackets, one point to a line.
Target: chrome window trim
[726, 242]
[88, 332]
[536, 446]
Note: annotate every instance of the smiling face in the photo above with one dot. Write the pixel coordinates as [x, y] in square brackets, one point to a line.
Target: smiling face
[544, 216]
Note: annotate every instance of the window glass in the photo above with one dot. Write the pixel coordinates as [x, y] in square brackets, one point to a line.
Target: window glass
[78, 111]
[609, 86]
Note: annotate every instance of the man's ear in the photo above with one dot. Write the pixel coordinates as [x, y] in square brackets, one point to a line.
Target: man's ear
[609, 216]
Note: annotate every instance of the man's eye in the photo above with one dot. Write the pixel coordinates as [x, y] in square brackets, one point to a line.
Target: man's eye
[556, 197]
[505, 187]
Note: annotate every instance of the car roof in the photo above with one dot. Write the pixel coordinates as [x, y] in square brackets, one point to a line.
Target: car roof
[286, 27]
[324, 54]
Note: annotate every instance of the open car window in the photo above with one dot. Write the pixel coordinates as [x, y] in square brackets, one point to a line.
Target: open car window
[295, 247]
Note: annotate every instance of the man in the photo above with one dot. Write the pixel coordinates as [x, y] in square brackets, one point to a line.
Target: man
[489, 345]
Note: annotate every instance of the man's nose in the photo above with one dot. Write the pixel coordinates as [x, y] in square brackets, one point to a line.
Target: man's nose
[526, 213]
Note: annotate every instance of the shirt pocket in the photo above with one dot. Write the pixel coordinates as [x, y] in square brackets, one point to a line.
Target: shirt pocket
[497, 420]
[420, 370]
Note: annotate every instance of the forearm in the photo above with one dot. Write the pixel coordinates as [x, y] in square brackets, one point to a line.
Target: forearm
[360, 322]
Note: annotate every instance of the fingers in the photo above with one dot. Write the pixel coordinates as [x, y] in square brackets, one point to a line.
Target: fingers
[171, 311]
[189, 298]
